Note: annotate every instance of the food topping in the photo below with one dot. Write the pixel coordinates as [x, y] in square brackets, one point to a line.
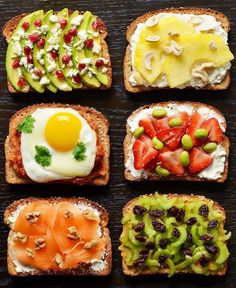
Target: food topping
[40, 243]
[32, 217]
[73, 233]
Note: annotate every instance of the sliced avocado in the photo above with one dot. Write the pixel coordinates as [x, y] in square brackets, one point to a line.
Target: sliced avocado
[14, 74]
[79, 54]
[53, 39]
[37, 50]
[68, 70]
[26, 70]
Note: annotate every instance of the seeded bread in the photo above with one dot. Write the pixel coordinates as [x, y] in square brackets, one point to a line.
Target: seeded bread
[130, 271]
[127, 67]
[154, 176]
[82, 269]
[95, 178]
[11, 25]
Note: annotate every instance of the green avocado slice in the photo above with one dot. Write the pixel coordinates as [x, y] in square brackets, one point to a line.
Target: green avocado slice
[53, 39]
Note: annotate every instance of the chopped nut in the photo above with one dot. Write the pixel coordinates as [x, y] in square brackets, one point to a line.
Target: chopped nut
[29, 252]
[59, 260]
[90, 244]
[148, 60]
[174, 48]
[212, 45]
[32, 217]
[152, 38]
[173, 34]
[73, 233]
[20, 237]
[195, 20]
[40, 243]
[68, 214]
[90, 215]
[152, 21]
[199, 71]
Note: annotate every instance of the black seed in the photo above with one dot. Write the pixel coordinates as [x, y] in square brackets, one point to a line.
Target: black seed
[203, 210]
[176, 233]
[206, 237]
[192, 221]
[173, 211]
[211, 249]
[203, 261]
[180, 215]
[163, 243]
[140, 238]
[187, 251]
[157, 213]
[150, 245]
[139, 227]
[212, 224]
[158, 226]
[139, 210]
[189, 237]
[162, 258]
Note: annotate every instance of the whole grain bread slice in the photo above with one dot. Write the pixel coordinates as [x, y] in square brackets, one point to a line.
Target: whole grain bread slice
[154, 176]
[127, 66]
[83, 268]
[11, 25]
[102, 123]
[131, 271]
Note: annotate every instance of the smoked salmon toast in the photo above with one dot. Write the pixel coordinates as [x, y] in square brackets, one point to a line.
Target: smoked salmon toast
[67, 236]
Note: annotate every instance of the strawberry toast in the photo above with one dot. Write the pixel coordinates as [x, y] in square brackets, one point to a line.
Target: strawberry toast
[176, 141]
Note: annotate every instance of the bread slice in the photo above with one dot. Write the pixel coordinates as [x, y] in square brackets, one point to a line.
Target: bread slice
[11, 25]
[131, 271]
[11, 213]
[127, 67]
[96, 177]
[129, 137]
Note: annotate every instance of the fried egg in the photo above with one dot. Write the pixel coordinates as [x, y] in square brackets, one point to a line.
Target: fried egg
[59, 130]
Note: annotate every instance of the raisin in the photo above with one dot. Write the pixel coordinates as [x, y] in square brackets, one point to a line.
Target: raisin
[206, 237]
[192, 221]
[162, 258]
[211, 249]
[158, 226]
[140, 238]
[139, 210]
[176, 233]
[212, 224]
[180, 215]
[187, 251]
[189, 237]
[203, 261]
[163, 243]
[139, 227]
[203, 210]
[173, 211]
[156, 213]
[150, 245]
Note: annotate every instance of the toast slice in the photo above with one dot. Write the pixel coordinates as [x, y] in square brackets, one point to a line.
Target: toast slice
[129, 140]
[163, 204]
[127, 67]
[98, 267]
[98, 176]
[11, 25]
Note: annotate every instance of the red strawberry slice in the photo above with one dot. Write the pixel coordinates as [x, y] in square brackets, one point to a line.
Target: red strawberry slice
[214, 130]
[143, 152]
[195, 123]
[160, 124]
[148, 127]
[171, 161]
[171, 136]
[152, 164]
[183, 116]
[199, 160]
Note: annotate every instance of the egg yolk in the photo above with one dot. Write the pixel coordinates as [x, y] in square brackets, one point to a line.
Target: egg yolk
[62, 131]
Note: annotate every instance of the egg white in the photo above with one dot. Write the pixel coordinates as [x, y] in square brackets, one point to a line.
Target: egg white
[63, 164]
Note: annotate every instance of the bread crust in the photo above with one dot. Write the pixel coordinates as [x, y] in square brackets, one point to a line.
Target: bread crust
[83, 268]
[127, 66]
[92, 179]
[11, 25]
[129, 206]
[154, 176]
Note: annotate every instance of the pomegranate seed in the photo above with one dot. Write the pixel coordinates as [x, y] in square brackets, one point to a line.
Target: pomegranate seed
[41, 43]
[33, 37]
[66, 59]
[22, 82]
[63, 23]
[77, 79]
[27, 50]
[95, 25]
[25, 25]
[67, 38]
[81, 66]
[59, 74]
[37, 23]
[54, 54]
[30, 59]
[99, 63]
[89, 43]
[72, 32]
[15, 64]
[38, 72]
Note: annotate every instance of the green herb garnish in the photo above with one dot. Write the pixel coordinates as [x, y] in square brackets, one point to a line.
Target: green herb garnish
[43, 156]
[27, 125]
[79, 152]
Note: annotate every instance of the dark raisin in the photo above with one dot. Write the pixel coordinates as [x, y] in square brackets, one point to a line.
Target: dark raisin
[162, 258]
[189, 237]
[180, 215]
[150, 245]
[163, 243]
[139, 210]
[139, 262]
[156, 213]
[176, 232]
[173, 211]
[211, 249]
[192, 221]
[203, 261]
[139, 227]
[203, 210]
[144, 253]
[158, 226]
[140, 238]
[212, 224]
[206, 237]
[187, 251]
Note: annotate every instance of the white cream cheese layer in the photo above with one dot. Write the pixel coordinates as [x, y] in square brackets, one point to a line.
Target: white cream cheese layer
[201, 23]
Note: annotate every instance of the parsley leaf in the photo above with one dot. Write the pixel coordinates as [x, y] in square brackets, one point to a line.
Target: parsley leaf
[79, 152]
[27, 125]
[43, 156]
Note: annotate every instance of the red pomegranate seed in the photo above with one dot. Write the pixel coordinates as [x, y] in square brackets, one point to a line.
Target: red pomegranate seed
[33, 37]
[30, 59]
[15, 64]
[22, 82]
[95, 25]
[38, 72]
[77, 78]
[41, 43]
[59, 74]
[72, 32]
[37, 23]
[25, 25]
[67, 38]
[89, 43]
[99, 63]
[27, 50]
[66, 59]
[63, 23]
[54, 54]
[81, 66]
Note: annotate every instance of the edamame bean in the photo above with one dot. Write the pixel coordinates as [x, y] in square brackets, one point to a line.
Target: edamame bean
[187, 142]
[201, 133]
[162, 171]
[175, 122]
[159, 113]
[184, 158]
[157, 144]
[210, 147]
[138, 132]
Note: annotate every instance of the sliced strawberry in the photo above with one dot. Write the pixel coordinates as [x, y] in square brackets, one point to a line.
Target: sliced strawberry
[171, 136]
[160, 124]
[171, 161]
[199, 160]
[214, 130]
[195, 123]
[143, 152]
[152, 164]
[183, 116]
[148, 127]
